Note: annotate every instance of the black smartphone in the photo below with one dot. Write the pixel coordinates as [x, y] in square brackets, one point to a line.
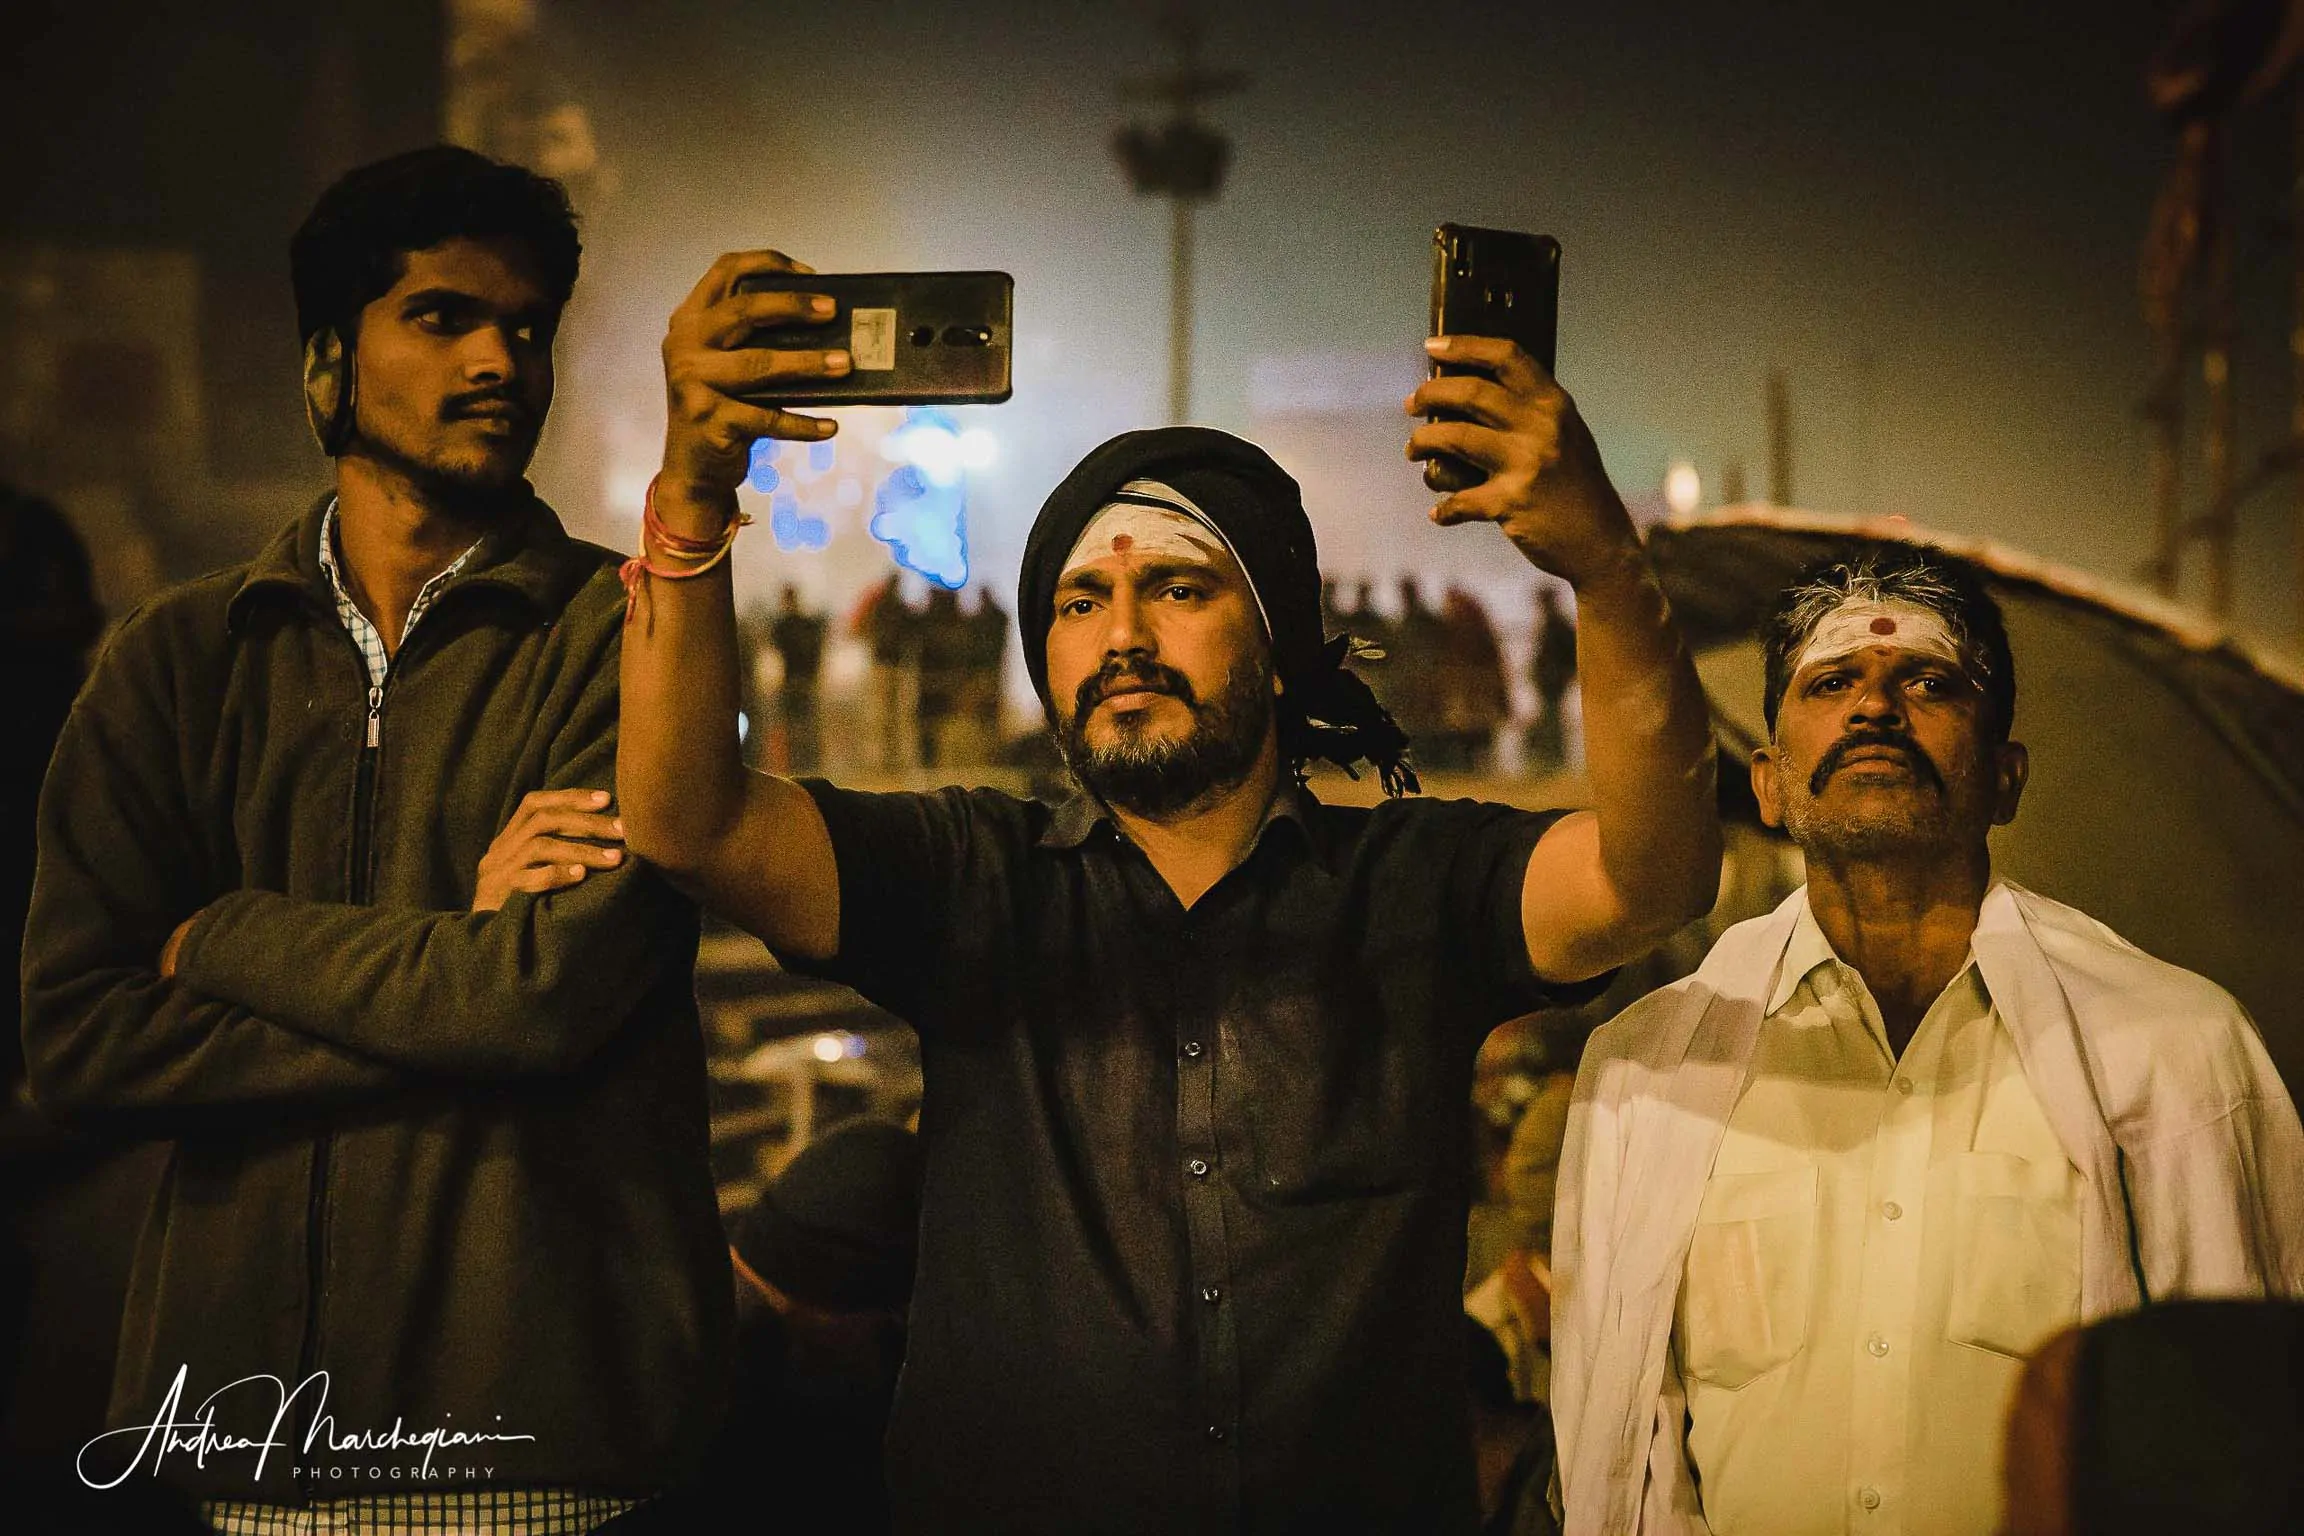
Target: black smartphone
[1491, 282]
[917, 338]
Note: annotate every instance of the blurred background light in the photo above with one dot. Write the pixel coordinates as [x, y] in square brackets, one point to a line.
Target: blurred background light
[1682, 488]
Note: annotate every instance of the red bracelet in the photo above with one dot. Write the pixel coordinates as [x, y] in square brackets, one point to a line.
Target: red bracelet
[706, 553]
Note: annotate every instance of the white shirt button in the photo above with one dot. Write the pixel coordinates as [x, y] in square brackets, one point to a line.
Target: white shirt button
[1892, 1211]
[1868, 1497]
[1878, 1347]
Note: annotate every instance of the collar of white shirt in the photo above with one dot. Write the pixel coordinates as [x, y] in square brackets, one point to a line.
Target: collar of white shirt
[1809, 948]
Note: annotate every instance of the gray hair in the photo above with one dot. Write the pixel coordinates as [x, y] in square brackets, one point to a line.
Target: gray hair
[1943, 584]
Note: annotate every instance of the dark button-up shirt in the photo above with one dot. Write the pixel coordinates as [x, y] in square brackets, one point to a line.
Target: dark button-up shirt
[1192, 1244]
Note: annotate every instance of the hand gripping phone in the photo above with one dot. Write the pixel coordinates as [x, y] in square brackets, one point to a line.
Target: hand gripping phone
[917, 338]
[1491, 282]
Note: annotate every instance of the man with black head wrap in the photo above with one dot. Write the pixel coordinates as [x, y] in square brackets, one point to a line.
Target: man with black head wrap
[1198, 1048]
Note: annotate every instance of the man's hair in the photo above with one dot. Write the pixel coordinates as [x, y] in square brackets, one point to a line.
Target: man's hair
[350, 249]
[1943, 584]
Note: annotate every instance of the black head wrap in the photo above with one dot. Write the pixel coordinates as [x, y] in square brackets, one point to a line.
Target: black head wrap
[1326, 710]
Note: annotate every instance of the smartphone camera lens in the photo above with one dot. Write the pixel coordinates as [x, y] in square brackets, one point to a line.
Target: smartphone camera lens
[923, 335]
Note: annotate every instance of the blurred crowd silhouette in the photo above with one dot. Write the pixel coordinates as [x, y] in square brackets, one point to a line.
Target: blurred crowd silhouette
[933, 685]
[933, 690]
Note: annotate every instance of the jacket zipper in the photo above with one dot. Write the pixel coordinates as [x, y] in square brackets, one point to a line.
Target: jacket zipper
[316, 1204]
[364, 796]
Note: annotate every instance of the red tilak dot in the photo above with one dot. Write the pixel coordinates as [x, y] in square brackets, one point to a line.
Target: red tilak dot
[1883, 626]
[1122, 543]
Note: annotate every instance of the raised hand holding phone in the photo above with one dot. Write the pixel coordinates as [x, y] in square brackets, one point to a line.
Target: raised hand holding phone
[913, 338]
[1542, 479]
[1491, 282]
[712, 364]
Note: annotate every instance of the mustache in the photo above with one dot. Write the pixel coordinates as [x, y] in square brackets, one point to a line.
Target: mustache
[471, 403]
[1141, 674]
[1923, 767]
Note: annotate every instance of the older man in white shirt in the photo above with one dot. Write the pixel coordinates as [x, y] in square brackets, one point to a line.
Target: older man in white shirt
[1819, 1200]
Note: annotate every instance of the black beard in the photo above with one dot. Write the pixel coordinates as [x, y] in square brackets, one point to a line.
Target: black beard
[1159, 779]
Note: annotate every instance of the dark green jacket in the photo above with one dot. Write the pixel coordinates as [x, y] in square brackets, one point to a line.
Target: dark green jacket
[456, 1161]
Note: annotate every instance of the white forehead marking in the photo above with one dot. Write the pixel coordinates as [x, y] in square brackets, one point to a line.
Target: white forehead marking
[1899, 625]
[1130, 528]
[1154, 518]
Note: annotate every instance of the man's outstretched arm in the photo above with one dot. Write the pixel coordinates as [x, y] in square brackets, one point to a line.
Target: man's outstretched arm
[752, 847]
[1602, 886]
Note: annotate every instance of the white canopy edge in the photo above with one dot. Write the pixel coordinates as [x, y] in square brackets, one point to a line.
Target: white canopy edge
[2183, 626]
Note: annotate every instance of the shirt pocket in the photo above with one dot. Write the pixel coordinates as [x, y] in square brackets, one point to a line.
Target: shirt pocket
[2016, 1253]
[1751, 1262]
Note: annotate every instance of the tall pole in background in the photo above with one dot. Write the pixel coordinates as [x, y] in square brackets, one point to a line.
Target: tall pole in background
[1180, 310]
[2167, 274]
[2296, 348]
[1867, 442]
[2221, 424]
[1184, 160]
[1779, 439]
[2218, 59]
[2164, 410]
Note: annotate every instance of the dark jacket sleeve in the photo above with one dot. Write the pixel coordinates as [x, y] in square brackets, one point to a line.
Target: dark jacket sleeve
[119, 867]
[533, 988]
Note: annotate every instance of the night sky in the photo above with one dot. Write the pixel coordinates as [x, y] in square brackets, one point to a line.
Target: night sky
[1954, 192]
[1957, 191]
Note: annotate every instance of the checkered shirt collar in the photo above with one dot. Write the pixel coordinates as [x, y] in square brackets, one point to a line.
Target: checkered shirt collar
[365, 634]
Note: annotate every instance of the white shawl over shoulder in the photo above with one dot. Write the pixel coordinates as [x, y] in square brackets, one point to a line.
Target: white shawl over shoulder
[2154, 1079]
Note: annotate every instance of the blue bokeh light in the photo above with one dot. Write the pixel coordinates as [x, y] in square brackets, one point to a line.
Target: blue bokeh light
[793, 529]
[923, 517]
[924, 525]
[761, 474]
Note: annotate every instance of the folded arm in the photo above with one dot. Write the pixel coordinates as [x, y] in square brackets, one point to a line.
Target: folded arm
[104, 1032]
[533, 987]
